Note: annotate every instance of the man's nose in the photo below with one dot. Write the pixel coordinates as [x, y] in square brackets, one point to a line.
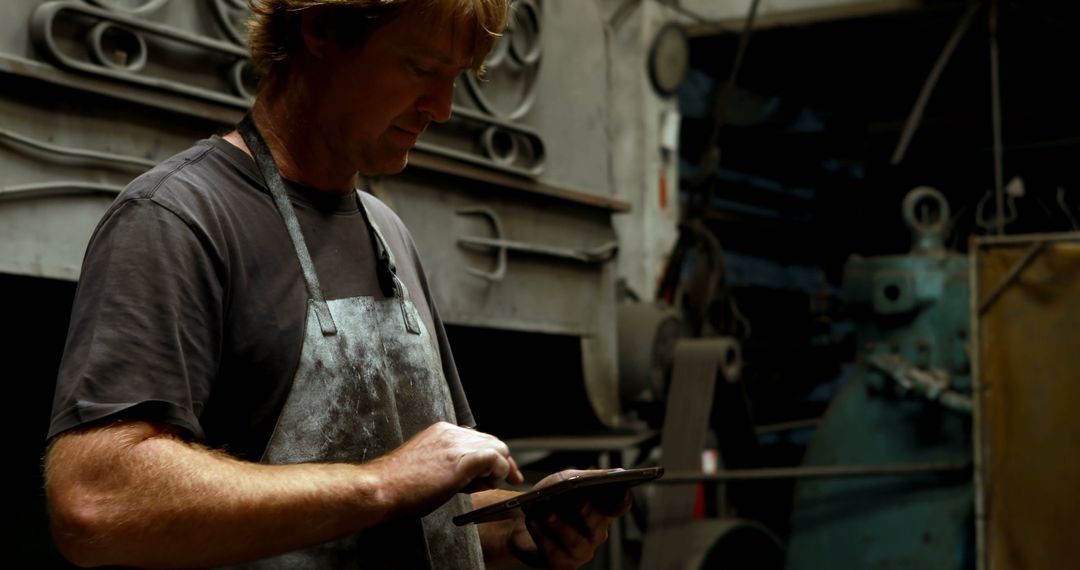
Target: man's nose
[437, 103]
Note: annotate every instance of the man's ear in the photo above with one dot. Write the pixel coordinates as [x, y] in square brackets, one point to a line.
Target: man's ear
[317, 30]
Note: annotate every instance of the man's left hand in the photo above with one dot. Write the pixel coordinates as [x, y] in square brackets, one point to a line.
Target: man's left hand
[567, 534]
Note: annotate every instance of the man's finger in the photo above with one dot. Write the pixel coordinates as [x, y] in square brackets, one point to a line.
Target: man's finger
[514, 476]
[499, 468]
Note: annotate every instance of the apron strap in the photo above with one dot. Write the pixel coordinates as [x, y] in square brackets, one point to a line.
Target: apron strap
[389, 269]
[265, 160]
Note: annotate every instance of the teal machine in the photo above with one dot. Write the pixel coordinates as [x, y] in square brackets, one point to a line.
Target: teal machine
[888, 475]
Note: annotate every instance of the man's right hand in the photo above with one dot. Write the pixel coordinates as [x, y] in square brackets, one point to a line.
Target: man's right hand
[439, 462]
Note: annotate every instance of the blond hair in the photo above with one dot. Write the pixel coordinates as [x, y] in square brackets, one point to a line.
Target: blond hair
[273, 30]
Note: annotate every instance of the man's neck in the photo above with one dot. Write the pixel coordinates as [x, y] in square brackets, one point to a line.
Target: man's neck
[299, 146]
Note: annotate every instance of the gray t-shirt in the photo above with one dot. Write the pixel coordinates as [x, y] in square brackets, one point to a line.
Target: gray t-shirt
[191, 306]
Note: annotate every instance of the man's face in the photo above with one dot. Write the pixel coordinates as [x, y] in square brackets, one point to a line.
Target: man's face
[377, 98]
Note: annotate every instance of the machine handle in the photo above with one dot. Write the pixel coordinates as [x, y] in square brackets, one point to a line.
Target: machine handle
[594, 255]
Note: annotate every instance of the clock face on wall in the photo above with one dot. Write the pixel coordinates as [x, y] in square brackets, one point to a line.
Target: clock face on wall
[669, 58]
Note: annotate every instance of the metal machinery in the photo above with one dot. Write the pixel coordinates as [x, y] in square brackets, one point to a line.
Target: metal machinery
[97, 91]
[887, 478]
[952, 443]
[512, 203]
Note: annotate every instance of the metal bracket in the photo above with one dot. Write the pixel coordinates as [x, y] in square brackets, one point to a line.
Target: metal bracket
[594, 255]
[43, 21]
[496, 223]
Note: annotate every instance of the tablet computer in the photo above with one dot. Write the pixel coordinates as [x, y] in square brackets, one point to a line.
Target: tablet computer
[599, 482]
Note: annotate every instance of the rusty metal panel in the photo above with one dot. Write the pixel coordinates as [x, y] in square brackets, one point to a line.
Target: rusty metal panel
[1026, 310]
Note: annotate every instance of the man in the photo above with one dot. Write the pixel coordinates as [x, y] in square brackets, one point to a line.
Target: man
[255, 373]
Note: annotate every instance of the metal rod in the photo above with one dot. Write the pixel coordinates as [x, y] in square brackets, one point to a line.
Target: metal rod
[59, 188]
[815, 472]
[931, 81]
[788, 426]
[995, 104]
[978, 449]
[78, 153]
[1014, 272]
[715, 25]
[1054, 237]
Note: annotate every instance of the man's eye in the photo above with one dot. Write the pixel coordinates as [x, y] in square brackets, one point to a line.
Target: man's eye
[421, 70]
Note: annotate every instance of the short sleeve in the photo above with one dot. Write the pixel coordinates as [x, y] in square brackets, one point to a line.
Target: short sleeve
[145, 335]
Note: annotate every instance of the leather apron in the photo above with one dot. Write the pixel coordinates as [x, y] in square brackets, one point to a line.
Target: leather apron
[369, 378]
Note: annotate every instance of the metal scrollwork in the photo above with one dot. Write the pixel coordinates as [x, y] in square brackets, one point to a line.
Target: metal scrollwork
[130, 6]
[110, 40]
[503, 145]
[508, 89]
[58, 153]
[232, 15]
[117, 49]
[500, 146]
[244, 78]
[57, 188]
[490, 108]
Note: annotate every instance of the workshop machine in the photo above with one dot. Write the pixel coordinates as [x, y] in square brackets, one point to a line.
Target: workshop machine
[951, 443]
[887, 479]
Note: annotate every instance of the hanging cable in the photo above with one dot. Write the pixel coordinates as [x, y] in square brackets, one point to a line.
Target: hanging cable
[995, 104]
[710, 159]
[915, 117]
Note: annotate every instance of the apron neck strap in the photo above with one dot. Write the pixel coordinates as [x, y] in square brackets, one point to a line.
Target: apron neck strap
[272, 177]
[388, 269]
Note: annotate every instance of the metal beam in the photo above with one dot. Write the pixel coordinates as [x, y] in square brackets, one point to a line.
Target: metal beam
[772, 17]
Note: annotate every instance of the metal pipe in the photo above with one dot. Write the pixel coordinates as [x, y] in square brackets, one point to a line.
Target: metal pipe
[815, 472]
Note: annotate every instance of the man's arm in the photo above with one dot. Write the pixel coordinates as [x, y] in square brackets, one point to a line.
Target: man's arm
[135, 494]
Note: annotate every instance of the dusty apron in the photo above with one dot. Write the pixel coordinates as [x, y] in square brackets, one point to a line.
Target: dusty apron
[369, 377]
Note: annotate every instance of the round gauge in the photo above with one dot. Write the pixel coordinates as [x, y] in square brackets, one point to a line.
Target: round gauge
[669, 58]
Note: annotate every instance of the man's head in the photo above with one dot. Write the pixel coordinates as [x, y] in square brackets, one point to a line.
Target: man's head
[275, 33]
[370, 75]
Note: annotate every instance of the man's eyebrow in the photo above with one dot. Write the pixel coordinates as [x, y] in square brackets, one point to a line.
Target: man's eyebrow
[437, 55]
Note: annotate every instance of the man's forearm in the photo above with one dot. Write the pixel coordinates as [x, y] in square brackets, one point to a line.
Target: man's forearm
[130, 495]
